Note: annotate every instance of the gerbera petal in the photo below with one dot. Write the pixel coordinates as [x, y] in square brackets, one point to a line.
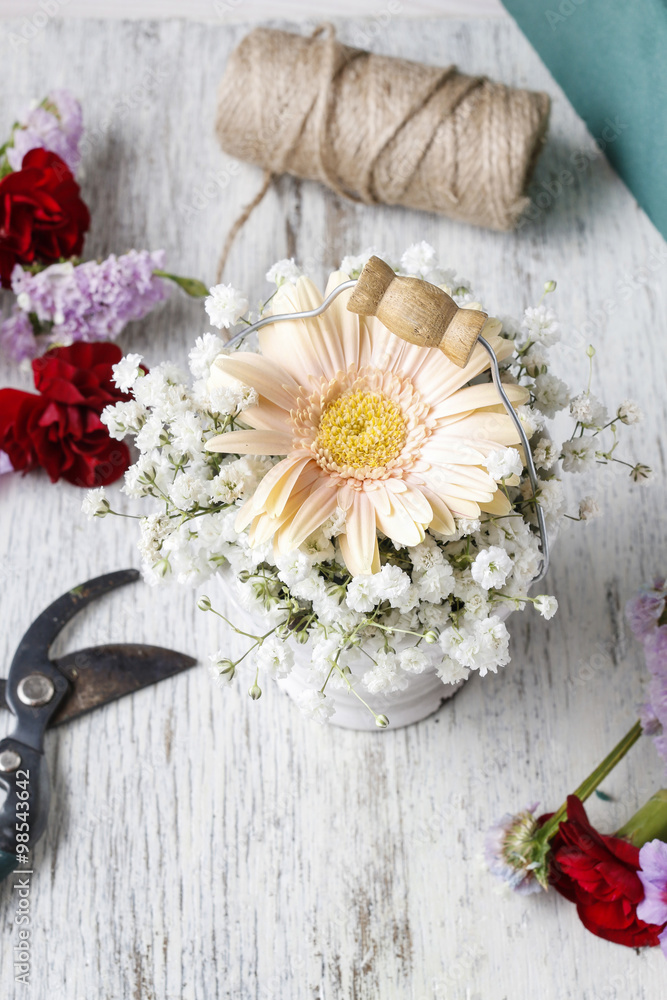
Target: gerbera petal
[397, 523]
[484, 426]
[354, 563]
[443, 520]
[321, 331]
[499, 506]
[360, 548]
[287, 470]
[313, 512]
[269, 379]
[476, 397]
[460, 507]
[268, 416]
[253, 442]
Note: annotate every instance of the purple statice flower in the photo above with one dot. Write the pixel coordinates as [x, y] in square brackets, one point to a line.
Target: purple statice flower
[17, 337]
[644, 610]
[507, 850]
[92, 301]
[655, 649]
[56, 124]
[653, 875]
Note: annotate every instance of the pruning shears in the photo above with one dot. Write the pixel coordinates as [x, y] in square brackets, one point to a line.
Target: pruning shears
[42, 692]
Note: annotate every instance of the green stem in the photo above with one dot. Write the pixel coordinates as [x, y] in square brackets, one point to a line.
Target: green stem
[192, 286]
[648, 823]
[588, 786]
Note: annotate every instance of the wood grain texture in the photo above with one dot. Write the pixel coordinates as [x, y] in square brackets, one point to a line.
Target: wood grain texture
[202, 846]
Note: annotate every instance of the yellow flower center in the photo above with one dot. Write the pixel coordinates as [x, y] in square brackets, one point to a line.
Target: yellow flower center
[362, 429]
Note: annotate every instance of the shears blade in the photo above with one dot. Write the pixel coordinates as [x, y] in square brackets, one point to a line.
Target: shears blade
[102, 674]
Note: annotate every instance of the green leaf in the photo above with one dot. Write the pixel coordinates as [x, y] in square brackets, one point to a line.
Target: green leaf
[191, 286]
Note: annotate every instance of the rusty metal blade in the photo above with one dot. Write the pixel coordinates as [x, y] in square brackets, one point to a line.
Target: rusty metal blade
[102, 674]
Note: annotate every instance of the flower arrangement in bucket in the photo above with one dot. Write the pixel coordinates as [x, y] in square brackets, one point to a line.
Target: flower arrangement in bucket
[379, 506]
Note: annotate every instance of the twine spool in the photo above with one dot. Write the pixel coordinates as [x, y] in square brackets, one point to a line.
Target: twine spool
[379, 130]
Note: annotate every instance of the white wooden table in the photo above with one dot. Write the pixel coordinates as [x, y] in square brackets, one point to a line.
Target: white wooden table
[203, 846]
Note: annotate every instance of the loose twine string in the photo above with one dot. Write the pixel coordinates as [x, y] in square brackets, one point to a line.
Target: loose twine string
[377, 129]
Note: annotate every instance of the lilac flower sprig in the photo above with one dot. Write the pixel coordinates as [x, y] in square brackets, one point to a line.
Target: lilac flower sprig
[55, 124]
[92, 301]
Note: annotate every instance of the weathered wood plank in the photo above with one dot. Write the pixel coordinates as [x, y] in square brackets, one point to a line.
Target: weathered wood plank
[202, 846]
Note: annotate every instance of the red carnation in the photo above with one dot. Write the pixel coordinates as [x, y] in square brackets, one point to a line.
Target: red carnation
[42, 217]
[599, 874]
[60, 430]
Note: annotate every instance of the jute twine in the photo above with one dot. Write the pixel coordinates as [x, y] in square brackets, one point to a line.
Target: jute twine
[379, 130]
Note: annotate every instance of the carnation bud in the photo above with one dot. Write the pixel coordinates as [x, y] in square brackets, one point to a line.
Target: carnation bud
[549, 286]
[381, 721]
[255, 692]
[430, 637]
[302, 636]
[204, 603]
[590, 351]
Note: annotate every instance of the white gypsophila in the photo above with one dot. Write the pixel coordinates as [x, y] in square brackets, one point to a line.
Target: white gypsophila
[551, 394]
[334, 525]
[589, 509]
[414, 660]
[225, 305]
[468, 525]
[187, 434]
[510, 327]
[95, 503]
[354, 264]
[419, 259]
[207, 348]
[578, 455]
[434, 584]
[231, 398]
[545, 453]
[319, 548]
[393, 585]
[504, 463]
[314, 705]
[481, 645]
[152, 434]
[187, 491]
[476, 606]
[550, 495]
[629, 413]
[275, 657]
[531, 420]
[491, 567]
[284, 271]
[151, 475]
[219, 668]
[535, 357]
[641, 474]
[451, 671]
[539, 323]
[386, 676]
[361, 594]
[588, 410]
[126, 371]
[546, 605]
[122, 419]
[493, 640]
[293, 567]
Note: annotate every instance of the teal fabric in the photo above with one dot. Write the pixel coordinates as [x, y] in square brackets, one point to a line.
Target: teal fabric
[610, 58]
[7, 864]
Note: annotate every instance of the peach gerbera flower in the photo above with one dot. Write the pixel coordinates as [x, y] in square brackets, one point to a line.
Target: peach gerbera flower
[387, 431]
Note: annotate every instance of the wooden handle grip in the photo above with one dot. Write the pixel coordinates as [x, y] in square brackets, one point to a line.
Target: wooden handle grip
[417, 311]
